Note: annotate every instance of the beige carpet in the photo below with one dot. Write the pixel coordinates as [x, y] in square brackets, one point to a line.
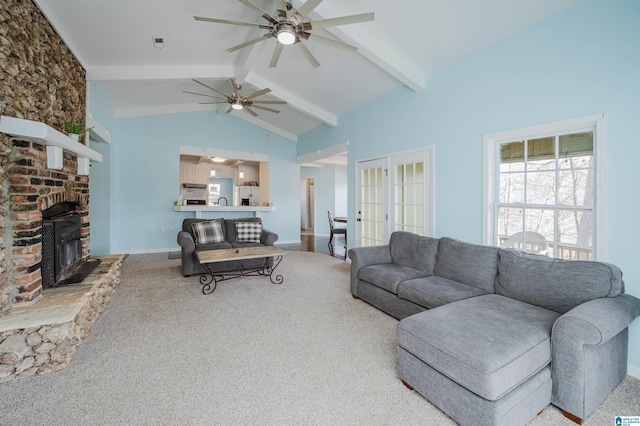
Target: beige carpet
[252, 353]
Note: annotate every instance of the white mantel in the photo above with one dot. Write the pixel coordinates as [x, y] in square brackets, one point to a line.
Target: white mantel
[43, 134]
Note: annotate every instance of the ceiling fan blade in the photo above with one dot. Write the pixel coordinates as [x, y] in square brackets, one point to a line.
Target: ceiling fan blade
[250, 111]
[266, 109]
[270, 102]
[225, 21]
[304, 10]
[332, 43]
[343, 20]
[234, 88]
[202, 94]
[209, 87]
[209, 103]
[258, 93]
[281, 8]
[250, 42]
[229, 110]
[276, 55]
[264, 14]
[309, 57]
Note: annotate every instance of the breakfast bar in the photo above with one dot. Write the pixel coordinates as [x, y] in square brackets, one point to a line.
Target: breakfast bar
[198, 209]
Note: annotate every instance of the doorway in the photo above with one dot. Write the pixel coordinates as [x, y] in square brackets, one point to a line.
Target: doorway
[307, 205]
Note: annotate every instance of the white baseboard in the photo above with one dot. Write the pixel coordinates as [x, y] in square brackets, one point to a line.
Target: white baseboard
[149, 251]
[280, 243]
[633, 370]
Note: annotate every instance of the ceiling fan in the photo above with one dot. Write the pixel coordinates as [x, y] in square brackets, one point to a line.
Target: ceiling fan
[236, 100]
[290, 29]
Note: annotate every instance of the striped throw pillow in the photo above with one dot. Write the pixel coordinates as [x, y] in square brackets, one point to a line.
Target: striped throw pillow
[208, 232]
[249, 232]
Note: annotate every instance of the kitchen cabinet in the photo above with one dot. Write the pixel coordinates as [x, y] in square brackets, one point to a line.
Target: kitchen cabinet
[251, 174]
[194, 173]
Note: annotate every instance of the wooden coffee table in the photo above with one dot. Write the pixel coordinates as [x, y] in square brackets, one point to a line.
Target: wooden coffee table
[211, 279]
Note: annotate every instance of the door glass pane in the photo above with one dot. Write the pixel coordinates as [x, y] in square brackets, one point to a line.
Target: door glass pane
[371, 206]
[409, 197]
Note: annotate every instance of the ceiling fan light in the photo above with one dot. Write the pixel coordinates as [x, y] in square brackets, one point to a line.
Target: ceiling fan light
[218, 159]
[236, 105]
[286, 35]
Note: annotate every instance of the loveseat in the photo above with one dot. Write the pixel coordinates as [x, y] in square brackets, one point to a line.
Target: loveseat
[491, 336]
[211, 239]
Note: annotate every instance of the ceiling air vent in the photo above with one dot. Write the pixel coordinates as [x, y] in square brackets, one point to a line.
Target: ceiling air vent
[158, 42]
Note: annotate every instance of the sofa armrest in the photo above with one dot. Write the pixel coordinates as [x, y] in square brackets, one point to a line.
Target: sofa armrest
[185, 240]
[365, 256]
[589, 347]
[268, 238]
[596, 321]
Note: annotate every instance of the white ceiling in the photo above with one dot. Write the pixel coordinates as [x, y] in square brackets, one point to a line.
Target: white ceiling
[408, 40]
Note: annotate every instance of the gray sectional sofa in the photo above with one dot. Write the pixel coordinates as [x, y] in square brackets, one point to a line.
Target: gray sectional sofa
[492, 336]
[187, 241]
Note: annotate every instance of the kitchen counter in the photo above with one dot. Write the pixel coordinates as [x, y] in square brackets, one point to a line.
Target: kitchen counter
[256, 210]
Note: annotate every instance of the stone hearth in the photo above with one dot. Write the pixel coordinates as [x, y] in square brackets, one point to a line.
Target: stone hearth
[41, 338]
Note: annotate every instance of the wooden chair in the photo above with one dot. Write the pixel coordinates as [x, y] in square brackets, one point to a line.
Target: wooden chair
[336, 231]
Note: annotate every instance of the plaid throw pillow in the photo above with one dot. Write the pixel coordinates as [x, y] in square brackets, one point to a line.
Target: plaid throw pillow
[249, 232]
[208, 232]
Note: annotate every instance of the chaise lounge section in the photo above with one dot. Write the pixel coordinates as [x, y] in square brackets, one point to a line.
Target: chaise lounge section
[492, 336]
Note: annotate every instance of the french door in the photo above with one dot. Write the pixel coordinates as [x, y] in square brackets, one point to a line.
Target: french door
[371, 206]
[395, 193]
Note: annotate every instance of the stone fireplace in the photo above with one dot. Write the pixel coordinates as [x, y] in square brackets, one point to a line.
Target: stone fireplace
[43, 82]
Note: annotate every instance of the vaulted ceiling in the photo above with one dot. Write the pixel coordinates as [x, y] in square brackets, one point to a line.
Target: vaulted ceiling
[407, 40]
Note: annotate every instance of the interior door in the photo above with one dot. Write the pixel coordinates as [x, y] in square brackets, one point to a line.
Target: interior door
[371, 203]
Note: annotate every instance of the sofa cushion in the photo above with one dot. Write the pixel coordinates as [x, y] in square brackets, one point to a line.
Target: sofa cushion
[206, 232]
[249, 232]
[489, 344]
[214, 246]
[388, 275]
[555, 284]
[432, 292]
[230, 226]
[413, 251]
[187, 225]
[470, 264]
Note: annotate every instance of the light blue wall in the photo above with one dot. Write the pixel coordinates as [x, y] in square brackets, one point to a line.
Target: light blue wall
[341, 191]
[101, 175]
[143, 175]
[583, 61]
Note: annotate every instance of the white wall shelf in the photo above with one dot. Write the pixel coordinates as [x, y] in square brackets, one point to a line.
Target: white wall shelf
[96, 131]
[41, 133]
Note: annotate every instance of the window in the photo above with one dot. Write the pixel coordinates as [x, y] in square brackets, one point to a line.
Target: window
[542, 186]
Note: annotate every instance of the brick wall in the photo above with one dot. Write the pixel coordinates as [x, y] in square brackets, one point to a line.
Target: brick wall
[33, 188]
[41, 81]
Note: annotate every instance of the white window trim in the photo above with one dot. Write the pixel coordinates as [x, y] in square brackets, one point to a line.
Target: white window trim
[491, 142]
